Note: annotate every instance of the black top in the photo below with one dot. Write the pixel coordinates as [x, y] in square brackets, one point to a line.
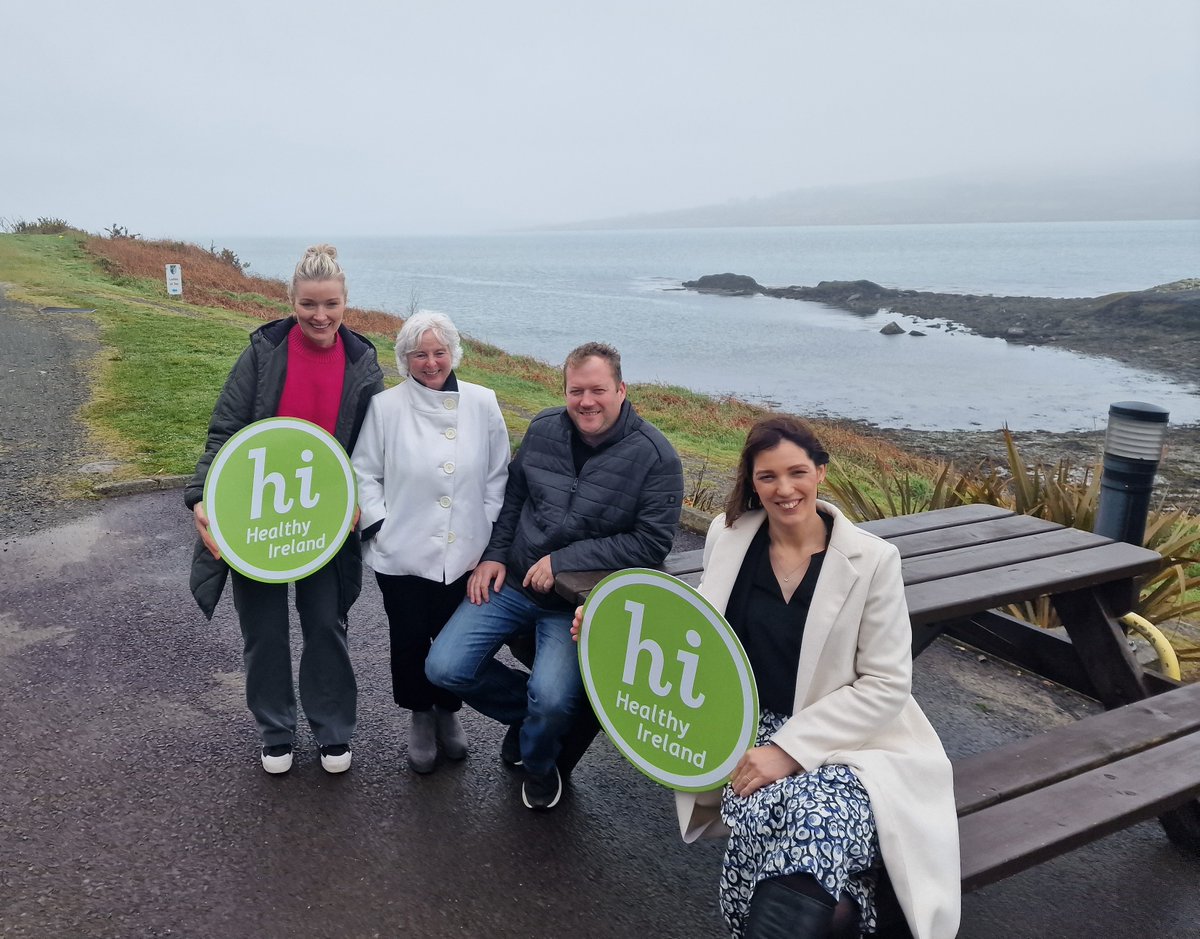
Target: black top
[770, 628]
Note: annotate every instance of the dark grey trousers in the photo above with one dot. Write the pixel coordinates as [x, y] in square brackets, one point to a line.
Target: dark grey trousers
[328, 690]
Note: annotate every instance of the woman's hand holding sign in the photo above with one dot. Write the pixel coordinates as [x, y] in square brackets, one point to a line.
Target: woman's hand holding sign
[201, 519]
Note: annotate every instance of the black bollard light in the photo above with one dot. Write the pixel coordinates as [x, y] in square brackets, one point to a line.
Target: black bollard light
[1133, 447]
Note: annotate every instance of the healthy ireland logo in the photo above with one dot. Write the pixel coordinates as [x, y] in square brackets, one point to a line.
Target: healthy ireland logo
[667, 678]
[280, 497]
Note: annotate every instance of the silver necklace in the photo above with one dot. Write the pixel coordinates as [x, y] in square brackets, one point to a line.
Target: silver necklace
[787, 578]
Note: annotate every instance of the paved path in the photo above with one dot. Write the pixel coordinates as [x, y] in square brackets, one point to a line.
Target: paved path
[132, 804]
[45, 362]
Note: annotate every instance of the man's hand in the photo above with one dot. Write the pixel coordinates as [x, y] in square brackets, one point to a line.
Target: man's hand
[479, 584]
[577, 623]
[200, 517]
[540, 576]
[761, 766]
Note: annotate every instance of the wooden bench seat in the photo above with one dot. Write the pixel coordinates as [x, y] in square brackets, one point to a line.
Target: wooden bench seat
[1033, 800]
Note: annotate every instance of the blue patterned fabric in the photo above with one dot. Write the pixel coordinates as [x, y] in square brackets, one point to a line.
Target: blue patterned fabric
[819, 823]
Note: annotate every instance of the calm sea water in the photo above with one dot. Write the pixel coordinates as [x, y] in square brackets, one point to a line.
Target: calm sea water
[544, 293]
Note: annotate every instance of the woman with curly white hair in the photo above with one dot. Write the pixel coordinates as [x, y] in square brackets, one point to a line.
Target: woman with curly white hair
[432, 463]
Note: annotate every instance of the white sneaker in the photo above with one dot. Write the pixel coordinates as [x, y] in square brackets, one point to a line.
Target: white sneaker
[335, 758]
[277, 758]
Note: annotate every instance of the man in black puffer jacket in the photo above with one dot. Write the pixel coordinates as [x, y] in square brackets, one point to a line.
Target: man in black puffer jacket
[592, 487]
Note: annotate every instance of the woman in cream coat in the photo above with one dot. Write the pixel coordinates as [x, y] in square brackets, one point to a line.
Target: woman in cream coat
[432, 463]
[852, 709]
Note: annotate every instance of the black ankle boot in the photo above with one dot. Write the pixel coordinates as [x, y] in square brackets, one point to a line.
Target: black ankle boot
[777, 912]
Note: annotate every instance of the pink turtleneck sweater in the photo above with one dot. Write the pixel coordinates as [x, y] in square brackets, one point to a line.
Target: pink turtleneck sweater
[312, 389]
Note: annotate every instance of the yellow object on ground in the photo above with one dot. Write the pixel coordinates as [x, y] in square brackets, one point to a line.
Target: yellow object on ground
[1167, 658]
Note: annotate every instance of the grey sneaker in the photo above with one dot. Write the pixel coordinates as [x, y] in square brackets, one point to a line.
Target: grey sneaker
[277, 758]
[422, 742]
[542, 792]
[450, 734]
[510, 748]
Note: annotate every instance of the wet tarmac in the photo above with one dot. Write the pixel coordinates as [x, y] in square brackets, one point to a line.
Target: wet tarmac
[132, 804]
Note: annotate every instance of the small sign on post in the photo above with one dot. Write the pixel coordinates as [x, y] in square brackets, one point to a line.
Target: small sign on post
[175, 280]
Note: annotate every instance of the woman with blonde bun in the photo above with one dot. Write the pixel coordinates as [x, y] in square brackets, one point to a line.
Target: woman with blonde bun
[432, 462]
[310, 366]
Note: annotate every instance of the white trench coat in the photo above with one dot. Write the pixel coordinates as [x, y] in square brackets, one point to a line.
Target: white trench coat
[853, 706]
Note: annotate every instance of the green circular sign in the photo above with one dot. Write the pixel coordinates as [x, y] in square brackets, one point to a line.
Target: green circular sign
[280, 497]
[667, 678]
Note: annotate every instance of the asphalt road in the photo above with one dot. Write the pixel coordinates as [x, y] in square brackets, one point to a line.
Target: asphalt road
[132, 803]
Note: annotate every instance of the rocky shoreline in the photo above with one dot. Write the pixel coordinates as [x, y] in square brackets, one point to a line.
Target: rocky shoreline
[1156, 329]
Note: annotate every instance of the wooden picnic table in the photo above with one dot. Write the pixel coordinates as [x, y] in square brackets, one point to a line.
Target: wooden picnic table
[968, 560]
[1031, 800]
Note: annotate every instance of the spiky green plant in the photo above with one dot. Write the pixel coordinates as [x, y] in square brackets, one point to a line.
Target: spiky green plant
[887, 492]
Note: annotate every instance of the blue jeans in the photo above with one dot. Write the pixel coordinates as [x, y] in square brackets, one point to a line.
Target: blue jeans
[462, 660]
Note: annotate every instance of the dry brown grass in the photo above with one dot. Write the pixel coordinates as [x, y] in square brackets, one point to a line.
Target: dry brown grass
[848, 442]
[521, 367]
[210, 280]
[718, 427]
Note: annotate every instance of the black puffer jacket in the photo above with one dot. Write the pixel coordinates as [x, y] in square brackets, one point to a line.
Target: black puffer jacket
[251, 393]
[620, 511]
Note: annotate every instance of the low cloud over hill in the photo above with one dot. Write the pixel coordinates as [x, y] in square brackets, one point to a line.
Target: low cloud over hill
[1164, 191]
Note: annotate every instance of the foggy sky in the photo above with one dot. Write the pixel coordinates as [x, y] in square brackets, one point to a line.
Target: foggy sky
[391, 118]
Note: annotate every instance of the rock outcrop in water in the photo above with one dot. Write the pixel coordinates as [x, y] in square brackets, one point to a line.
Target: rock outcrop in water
[732, 285]
[1156, 329]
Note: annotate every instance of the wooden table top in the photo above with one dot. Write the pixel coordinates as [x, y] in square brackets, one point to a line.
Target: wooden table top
[969, 558]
